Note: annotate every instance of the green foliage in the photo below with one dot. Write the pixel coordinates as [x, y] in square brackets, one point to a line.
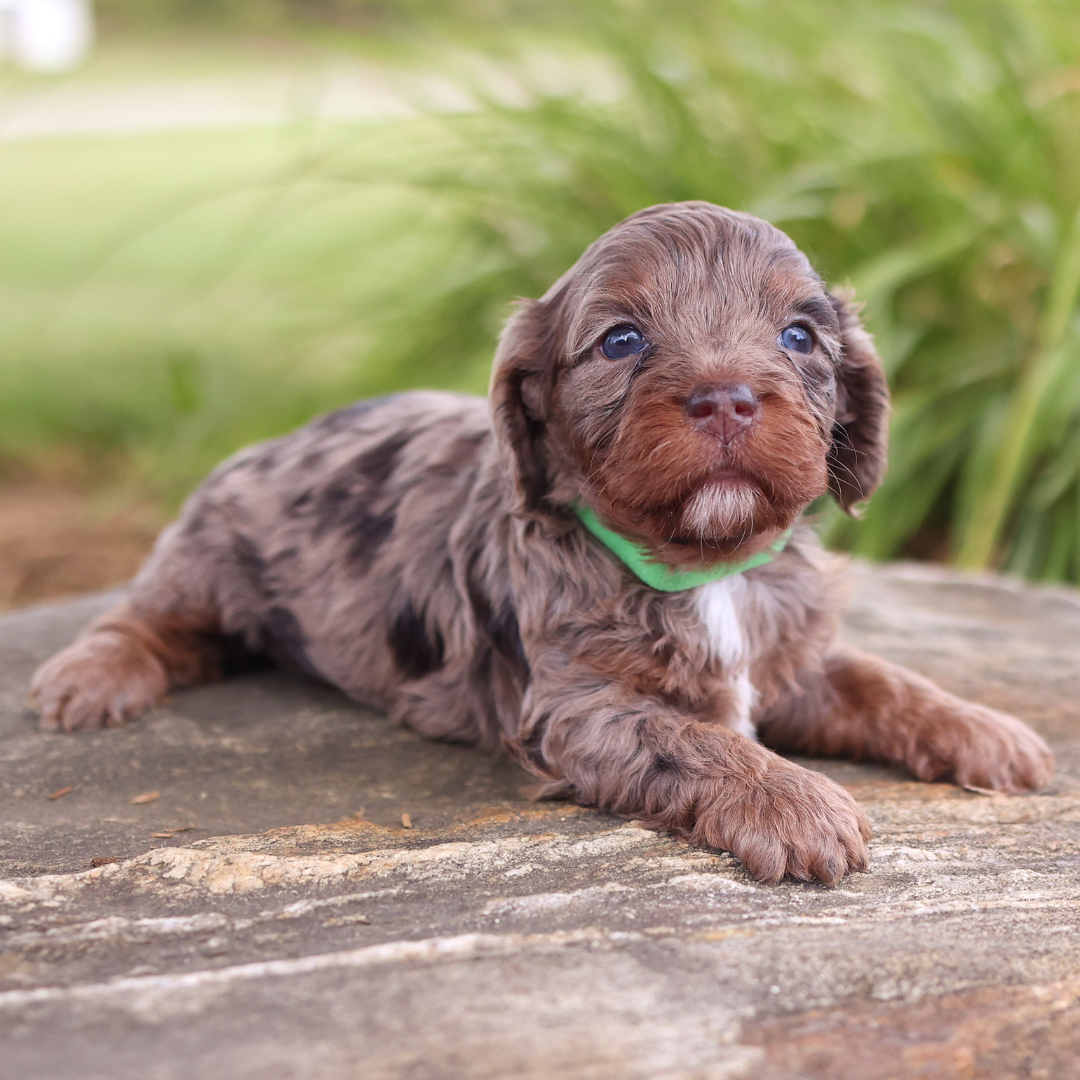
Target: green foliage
[925, 152]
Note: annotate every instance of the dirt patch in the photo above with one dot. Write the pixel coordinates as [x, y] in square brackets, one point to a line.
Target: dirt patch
[57, 541]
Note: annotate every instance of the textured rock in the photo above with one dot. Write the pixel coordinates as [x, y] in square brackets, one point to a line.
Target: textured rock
[500, 938]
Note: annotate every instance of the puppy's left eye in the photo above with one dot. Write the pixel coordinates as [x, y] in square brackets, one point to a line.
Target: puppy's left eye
[623, 341]
[796, 339]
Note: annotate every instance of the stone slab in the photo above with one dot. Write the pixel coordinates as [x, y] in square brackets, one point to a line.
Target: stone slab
[298, 930]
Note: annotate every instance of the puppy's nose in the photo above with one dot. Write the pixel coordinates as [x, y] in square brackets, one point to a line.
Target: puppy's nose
[725, 410]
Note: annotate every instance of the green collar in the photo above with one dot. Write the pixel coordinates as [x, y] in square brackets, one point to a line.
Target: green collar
[667, 578]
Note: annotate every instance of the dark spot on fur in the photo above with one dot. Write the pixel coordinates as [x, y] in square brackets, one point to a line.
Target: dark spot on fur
[266, 462]
[346, 505]
[499, 627]
[297, 505]
[505, 634]
[286, 641]
[378, 463]
[248, 561]
[416, 652]
[311, 459]
[337, 501]
[367, 532]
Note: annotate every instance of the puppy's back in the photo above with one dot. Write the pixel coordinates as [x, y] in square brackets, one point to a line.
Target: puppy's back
[367, 547]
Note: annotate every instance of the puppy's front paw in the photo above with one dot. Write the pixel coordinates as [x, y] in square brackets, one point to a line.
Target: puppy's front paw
[790, 822]
[103, 680]
[981, 748]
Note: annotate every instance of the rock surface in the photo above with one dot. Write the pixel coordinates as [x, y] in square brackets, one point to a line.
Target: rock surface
[223, 930]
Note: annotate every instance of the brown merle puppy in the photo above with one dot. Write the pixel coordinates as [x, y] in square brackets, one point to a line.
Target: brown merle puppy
[690, 382]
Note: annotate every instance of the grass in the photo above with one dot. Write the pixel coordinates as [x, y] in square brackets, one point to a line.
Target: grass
[169, 297]
[166, 298]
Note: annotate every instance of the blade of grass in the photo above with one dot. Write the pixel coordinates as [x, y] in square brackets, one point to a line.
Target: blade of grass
[988, 517]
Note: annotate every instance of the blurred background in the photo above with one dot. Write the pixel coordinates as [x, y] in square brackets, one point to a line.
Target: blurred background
[219, 217]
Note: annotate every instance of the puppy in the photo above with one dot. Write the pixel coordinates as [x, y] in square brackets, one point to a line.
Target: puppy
[602, 570]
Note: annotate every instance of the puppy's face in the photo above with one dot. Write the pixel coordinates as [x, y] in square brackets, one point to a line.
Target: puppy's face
[691, 380]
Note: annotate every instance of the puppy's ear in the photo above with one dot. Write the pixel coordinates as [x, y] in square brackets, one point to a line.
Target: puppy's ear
[520, 381]
[859, 451]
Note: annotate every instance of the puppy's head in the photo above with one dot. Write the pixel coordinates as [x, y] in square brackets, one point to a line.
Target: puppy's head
[691, 381]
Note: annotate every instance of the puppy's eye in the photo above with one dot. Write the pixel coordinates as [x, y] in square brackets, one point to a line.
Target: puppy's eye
[623, 341]
[796, 339]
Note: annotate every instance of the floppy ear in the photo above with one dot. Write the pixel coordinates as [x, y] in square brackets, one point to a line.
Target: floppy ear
[859, 451]
[522, 373]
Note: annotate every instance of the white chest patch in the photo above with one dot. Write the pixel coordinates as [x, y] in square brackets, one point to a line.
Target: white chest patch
[720, 605]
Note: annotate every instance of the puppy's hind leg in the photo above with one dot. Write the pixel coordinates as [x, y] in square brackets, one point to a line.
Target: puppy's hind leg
[121, 665]
[166, 634]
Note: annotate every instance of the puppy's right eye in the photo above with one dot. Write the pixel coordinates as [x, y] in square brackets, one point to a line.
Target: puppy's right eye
[623, 341]
[796, 338]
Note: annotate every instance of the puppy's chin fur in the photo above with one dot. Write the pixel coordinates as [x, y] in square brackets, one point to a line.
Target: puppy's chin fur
[721, 510]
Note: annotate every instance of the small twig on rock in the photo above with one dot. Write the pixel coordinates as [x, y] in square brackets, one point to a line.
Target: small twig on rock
[168, 834]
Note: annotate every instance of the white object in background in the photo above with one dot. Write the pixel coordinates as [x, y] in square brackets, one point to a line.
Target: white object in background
[46, 35]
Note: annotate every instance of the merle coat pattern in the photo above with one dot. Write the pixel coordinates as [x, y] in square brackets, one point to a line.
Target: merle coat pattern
[421, 553]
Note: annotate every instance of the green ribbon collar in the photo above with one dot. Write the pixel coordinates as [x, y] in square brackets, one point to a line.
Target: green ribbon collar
[668, 578]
